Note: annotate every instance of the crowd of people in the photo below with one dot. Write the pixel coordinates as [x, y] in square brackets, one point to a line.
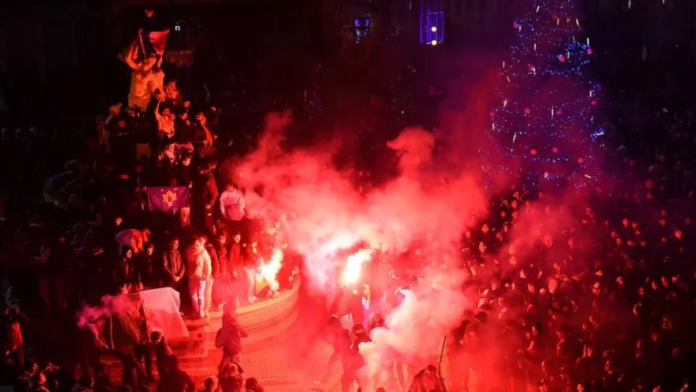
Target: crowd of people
[597, 297]
[592, 290]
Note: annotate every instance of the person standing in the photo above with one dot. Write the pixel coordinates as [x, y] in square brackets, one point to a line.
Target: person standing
[231, 376]
[198, 271]
[252, 260]
[427, 380]
[162, 351]
[141, 76]
[235, 267]
[165, 123]
[353, 361]
[339, 339]
[218, 254]
[229, 338]
[145, 266]
[173, 265]
[232, 207]
[125, 274]
[205, 195]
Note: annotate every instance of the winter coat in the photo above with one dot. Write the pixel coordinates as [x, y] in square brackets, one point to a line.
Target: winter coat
[421, 383]
[173, 265]
[235, 257]
[198, 262]
[229, 338]
[125, 273]
[218, 256]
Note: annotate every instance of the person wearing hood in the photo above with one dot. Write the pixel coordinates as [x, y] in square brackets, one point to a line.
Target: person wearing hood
[427, 380]
[199, 269]
[229, 339]
[231, 376]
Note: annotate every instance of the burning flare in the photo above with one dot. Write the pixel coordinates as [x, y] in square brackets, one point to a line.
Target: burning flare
[351, 274]
[269, 270]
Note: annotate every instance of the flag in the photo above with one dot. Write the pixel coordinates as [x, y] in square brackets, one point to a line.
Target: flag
[168, 198]
[133, 317]
[153, 42]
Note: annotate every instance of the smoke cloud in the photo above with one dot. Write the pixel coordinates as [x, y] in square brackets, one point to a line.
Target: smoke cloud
[420, 213]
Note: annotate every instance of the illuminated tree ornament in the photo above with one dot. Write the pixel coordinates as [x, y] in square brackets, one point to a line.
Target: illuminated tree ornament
[433, 29]
[545, 72]
[433, 42]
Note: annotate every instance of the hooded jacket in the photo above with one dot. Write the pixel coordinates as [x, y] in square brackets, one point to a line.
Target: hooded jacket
[229, 337]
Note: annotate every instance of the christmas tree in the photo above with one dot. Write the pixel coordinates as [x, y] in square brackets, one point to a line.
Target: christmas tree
[543, 128]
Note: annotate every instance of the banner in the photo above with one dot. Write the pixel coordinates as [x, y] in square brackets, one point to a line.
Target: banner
[133, 317]
[168, 198]
[153, 42]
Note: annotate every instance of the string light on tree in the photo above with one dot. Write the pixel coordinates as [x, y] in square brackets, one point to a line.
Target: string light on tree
[543, 129]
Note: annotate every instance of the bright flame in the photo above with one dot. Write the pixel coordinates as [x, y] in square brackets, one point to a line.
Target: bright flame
[269, 271]
[351, 274]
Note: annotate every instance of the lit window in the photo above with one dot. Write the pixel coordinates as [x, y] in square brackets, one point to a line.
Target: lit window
[362, 29]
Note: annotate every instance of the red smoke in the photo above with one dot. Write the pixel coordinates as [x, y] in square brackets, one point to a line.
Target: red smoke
[320, 214]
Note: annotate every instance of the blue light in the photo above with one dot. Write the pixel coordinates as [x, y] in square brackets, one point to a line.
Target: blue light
[432, 22]
[543, 125]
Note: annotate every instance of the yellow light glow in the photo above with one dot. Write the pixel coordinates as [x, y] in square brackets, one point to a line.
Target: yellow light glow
[433, 42]
[433, 29]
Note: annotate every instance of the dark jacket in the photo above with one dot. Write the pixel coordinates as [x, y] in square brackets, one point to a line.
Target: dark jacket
[146, 270]
[173, 265]
[229, 338]
[235, 259]
[421, 383]
[218, 259]
[125, 273]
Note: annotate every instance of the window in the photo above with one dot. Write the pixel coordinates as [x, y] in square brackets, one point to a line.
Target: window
[362, 29]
